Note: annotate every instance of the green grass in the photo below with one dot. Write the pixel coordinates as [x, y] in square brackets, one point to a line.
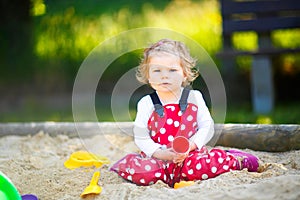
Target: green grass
[282, 114]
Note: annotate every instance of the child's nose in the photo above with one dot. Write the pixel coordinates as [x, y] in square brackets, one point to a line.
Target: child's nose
[164, 74]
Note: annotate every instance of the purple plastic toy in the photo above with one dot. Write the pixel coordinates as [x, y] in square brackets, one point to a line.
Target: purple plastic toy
[29, 197]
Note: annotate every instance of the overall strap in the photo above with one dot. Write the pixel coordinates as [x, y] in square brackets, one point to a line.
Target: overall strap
[183, 99]
[159, 109]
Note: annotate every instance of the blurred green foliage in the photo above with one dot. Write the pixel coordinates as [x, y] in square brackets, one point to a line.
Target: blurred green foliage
[66, 31]
[282, 114]
[71, 29]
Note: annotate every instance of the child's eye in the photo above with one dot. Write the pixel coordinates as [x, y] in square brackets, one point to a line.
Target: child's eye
[156, 70]
[173, 70]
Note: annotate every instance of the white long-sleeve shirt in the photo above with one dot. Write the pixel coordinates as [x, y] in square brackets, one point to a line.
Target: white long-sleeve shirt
[145, 108]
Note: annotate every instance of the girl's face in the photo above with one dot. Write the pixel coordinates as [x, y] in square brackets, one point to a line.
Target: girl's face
[165, 73]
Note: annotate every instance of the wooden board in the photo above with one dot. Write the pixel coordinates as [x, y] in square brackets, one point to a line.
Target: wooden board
[261, 137]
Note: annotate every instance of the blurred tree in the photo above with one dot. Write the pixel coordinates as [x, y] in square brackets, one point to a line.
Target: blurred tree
[15, 39]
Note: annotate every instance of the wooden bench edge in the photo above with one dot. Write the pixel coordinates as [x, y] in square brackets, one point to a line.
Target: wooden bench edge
[261, 52]
[260, 137]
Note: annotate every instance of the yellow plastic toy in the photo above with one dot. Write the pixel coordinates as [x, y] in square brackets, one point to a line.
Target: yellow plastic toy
[85, 159]
[93, 187]
[183, 184]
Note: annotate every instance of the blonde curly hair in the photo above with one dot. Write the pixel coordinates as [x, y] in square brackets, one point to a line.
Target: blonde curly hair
[172, 47]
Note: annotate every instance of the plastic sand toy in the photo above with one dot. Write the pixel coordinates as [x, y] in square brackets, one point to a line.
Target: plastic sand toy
[9, 192]
[7, 189]
[181, 144]
[183, 184]
[85, 159]
[93, 187]
[29, 197]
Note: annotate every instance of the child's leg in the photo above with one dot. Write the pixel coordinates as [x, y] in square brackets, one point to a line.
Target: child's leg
[199, 166]
[140, 170]
[247, 160]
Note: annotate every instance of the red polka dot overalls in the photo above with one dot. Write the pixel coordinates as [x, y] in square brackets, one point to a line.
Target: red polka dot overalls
[163, 127]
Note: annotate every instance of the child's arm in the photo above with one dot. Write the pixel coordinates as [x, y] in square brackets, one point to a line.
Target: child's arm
[149, 147]
[144, 142]
[205, 123]
[141, 133]
[193, 146]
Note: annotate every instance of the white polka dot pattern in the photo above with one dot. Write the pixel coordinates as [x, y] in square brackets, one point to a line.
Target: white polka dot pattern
[179, 113]
[182, 127]
[225, 167]
[147, 167]
[176, 124]
[188, 163]
[194, 108]
[162, 130]
[220, 160]
[170, 138]
[213, 169]
[190, 118]
[172, 108]
[172, 123]
[204, 176]
[169, 121]
[153, 133]
[200, 165]
[129, 178]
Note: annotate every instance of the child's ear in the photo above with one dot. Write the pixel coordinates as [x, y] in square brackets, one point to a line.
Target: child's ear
[184, 81]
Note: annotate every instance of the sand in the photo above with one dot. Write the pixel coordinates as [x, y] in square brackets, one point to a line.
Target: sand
[35, 165]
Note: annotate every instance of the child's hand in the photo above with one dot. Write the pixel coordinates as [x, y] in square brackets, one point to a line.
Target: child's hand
[165, 154]
[179, 158]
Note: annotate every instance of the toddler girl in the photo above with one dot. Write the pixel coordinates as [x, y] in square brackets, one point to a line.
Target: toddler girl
[173, 110]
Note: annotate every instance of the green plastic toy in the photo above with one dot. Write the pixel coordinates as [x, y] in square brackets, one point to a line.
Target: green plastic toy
[7, 189]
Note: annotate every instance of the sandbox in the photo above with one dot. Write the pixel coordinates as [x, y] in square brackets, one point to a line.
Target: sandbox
[33, 156]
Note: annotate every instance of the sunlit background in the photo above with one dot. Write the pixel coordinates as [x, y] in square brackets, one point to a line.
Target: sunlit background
[36, 81]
